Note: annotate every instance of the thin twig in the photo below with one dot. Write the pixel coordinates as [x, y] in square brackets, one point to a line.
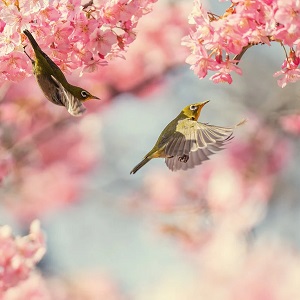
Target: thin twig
[87, 4]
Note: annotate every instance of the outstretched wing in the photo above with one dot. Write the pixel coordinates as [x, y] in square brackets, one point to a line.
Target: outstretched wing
[194, 142]
[73, 105]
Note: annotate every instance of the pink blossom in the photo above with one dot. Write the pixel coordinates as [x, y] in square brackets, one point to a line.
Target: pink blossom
[13, 66]
[288, 75]
[221, 77]
[106, 29]
[61, 35]
[243, 24]
[47, 14]
[70, 8]
[33, 6]
[19, 255]
[34, 287]
[163, 37]
[103, 41]
[83, 28]
[201, 63]
[13, 18]
[8, 43]
[291, 124]
[224, 74]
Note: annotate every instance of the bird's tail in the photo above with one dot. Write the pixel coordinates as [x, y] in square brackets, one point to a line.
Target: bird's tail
[33, 42]
[141, 164]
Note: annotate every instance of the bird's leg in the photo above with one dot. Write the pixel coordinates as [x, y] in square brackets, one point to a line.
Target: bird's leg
[184, 158]
[32, 61]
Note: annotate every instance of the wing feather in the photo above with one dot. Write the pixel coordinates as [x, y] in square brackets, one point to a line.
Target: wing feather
[198, 142]
[73, 105]
[187, 141]
[174, 145]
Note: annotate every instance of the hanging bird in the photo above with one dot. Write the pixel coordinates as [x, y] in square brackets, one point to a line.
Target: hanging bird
[185, 143]
[53, 82]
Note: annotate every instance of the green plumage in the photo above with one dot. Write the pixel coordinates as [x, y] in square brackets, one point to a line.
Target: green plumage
[185, 143]
[53, 82]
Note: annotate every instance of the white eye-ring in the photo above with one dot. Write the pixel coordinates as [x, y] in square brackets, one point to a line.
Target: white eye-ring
[84, 94]
[193, 107]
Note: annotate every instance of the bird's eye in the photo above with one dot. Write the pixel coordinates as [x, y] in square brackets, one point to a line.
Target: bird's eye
[193, 107]
[84, 94]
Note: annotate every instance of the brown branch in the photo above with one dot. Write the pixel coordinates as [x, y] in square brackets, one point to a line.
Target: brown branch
[87, 4]
[239, 56]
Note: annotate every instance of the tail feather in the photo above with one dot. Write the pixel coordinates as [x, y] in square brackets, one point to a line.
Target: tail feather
[241, 123]
[141, 164]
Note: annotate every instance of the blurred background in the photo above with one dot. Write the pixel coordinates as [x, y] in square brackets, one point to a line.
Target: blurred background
[212, 232]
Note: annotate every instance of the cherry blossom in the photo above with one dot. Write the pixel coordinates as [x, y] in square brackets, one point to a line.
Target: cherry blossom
[105, 30]
[244, 24]
[19, 255]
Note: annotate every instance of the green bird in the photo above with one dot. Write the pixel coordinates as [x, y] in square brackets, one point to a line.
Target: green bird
[185, 142]
[53, 82]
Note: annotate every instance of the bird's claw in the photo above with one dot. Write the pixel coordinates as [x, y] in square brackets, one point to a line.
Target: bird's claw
[184, 158]
[24, 48]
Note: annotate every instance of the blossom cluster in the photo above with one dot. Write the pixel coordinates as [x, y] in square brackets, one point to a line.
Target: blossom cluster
[76, 35]
[217, 43]
[19, 255]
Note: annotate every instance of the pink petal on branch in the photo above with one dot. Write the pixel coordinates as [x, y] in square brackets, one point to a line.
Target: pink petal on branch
[287, 76]
[103, 41]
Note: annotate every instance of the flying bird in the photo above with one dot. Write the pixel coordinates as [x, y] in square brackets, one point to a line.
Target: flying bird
[185, 142]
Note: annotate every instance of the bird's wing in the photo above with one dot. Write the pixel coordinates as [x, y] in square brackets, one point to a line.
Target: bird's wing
[194, 143]
[73, 105]
[51, 62]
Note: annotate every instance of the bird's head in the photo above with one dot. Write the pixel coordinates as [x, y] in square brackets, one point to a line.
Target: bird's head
[81, 94]
[192, 111]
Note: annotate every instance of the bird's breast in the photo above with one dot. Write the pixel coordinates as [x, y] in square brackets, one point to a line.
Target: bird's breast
[49, 88]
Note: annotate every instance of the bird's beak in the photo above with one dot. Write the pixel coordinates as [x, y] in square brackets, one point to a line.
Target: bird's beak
[94, 97]
[203, 103]
[200, 106]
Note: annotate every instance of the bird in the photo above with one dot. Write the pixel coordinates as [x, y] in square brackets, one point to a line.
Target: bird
[185, 142]
[53, 82]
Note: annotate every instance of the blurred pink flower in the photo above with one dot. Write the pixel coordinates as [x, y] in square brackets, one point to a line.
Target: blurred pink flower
[267, 270]
[34, 287]
[19, 255]
[291, 123]
[43, 176]
[88, 285]
[161, 38]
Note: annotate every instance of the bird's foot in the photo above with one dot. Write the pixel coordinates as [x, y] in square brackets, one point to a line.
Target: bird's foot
[184, 158]
[24, 48]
